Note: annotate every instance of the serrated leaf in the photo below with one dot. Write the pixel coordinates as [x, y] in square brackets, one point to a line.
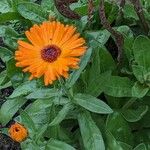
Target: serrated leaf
[92, 104]
[33, 12]
[91, 134]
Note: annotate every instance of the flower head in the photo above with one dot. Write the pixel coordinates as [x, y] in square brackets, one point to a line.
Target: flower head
[18, 132]
[54, 48]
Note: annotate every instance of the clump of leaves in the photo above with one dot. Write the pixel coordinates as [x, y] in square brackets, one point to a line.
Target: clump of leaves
[102, 105]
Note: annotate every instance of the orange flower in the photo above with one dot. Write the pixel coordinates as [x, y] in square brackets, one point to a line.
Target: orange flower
[53, 50]
[18, 132]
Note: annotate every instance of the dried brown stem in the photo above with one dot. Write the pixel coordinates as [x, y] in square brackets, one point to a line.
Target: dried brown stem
[63, 7]
[122, 3]
[139, 10]
[117, 36]
[90, 11]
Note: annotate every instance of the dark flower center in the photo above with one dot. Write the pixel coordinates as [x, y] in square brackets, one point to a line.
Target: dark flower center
[16, 129]
[50, 53]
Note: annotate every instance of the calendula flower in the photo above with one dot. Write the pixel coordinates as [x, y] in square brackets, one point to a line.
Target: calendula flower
[54, 48]
[18, 132]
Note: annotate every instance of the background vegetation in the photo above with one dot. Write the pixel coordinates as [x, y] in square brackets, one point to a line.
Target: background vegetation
[102, 105]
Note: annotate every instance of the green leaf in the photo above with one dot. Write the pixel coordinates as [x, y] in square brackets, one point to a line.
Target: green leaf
[133, 115]
[6, 85]
[2, 30]
[33, 12]
[4, 6]
[141, 52]
[143, 136]
[52, 131]
[139, 90]
[30, 145]
[112, 143]
[106, 61]
[9, 108]
[58, 145]
[119, 128]
[125, 146]
[14, 73]
[76, 73]
[39, 111]
[141, 146]
[113, 13]
[91, 134]
[96, 85]
[27, 121]
[118, 86]
[102, 61]
[9, 16]
[61, 114]
[10, 38]
[3, 77]
[47, 4]
[43, 93]
[129, 12]
[5, 54]
[138, 71]
[24, 89]
[100, 36]
[92, 104]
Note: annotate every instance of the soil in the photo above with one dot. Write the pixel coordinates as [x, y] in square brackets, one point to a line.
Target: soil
[6, 143]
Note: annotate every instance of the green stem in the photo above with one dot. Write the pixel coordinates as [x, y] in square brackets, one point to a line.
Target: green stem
[63, 86]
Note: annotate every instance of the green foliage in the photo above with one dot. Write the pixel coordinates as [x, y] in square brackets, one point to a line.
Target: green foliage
[103, 105]
[92, 104]
[32, 12]
[92, 137]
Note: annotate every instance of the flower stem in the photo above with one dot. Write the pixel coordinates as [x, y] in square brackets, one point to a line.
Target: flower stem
[63, 86]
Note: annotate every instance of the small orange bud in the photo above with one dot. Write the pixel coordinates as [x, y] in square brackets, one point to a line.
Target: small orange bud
[18, 132]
